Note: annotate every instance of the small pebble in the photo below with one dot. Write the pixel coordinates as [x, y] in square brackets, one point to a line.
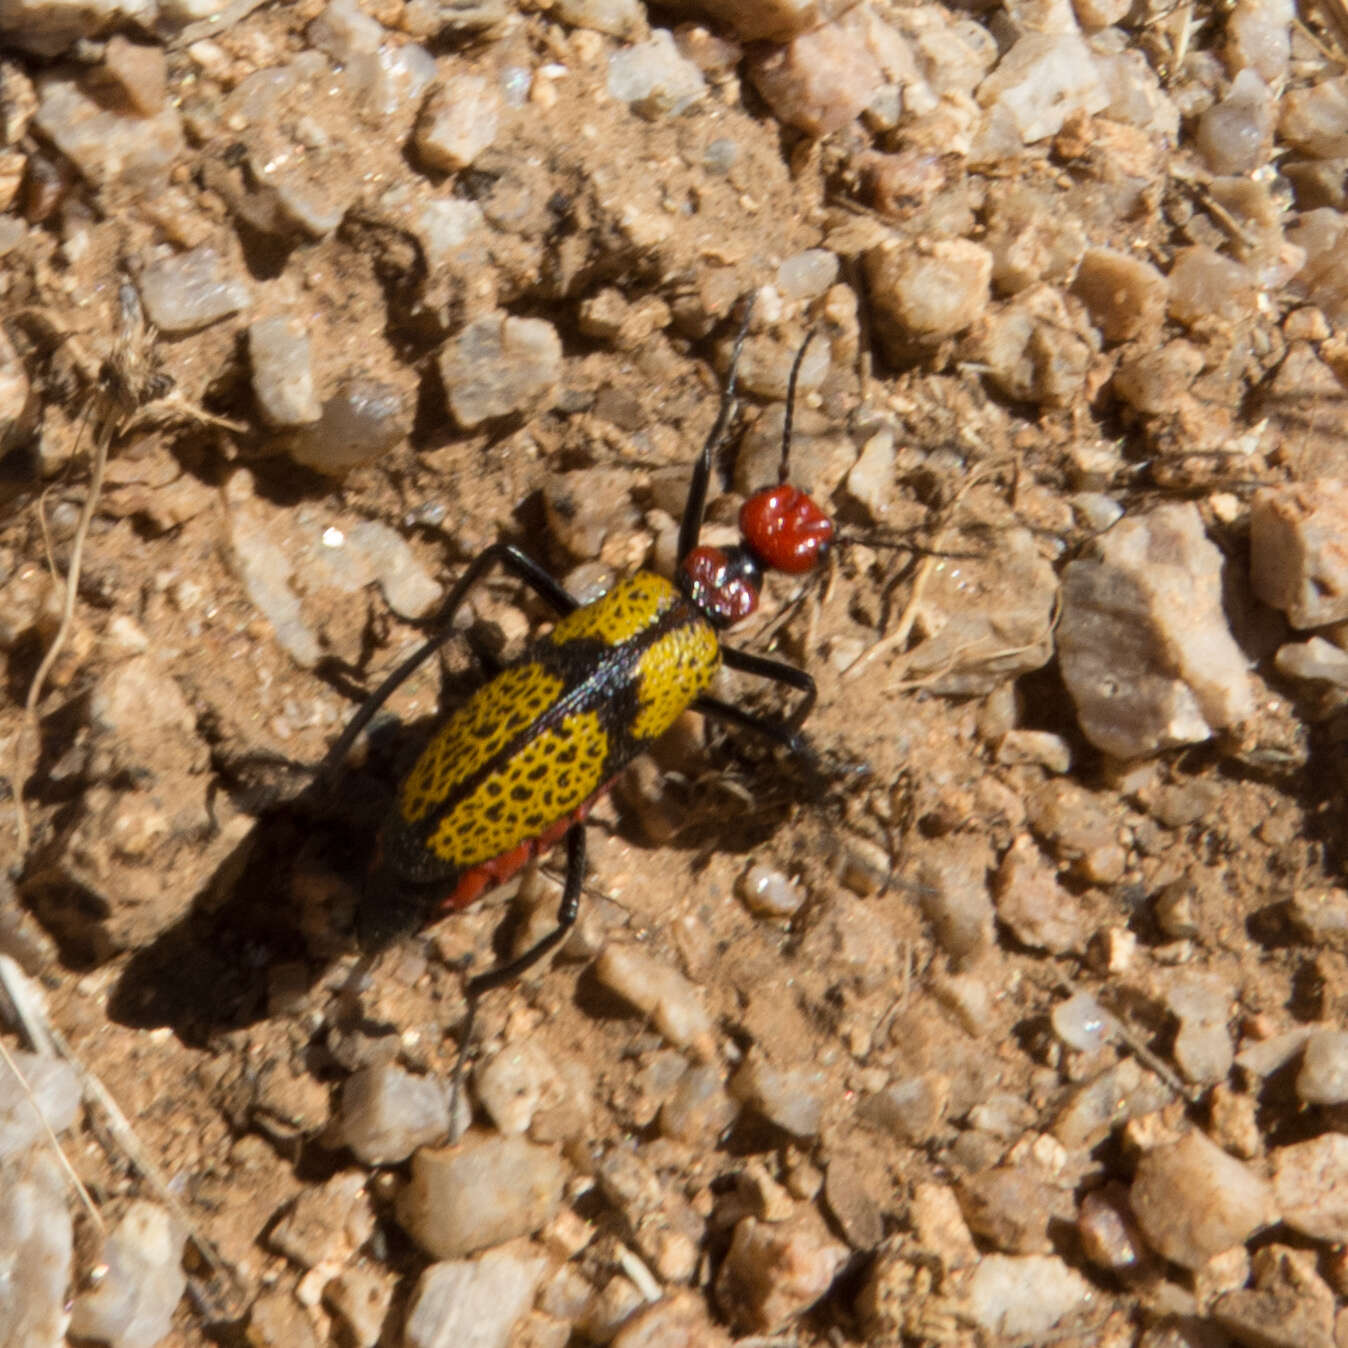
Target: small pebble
[1314, 119]
[1313, 661]
[952, 876]
[386, 1113]
[44, 1088]
[1025, 1296]
[1042, 80]
[1235, 135]
[361, 422]
[1288, 1306]
[1082, 1023]
[498, 366]
[264, 570]
[483, 1191]
[191, 290]
[473, 1303]
[1201, 1002]
[1096, 1109]
[1310, 1181]
[1031, 902]
[674, 1005]
[853, 1205]
[1109, 1235]
[1298, 563]
[1323, 1078]
[922, 295]
[1262, 1057]
[820, 80]
[283, 376]
[460, 119]
[132, 1305]
[326, 1223]
[1321, 915]
[1192, 1200]
[139, 72]
[654, 79]
[619, 18]
[775, 1271]
[676, 1321]
[1039, 747]
[910, 1109]
[1143, 641]
[1259, 38]
[360, 1298]
[698, 1110]
[1205, 286]
[871, 480]
[111, 148]
[788, 1097]
[1156, 382]
[768, 892]
[1011, 1207]
[514, 1083]
[36, 1242]
[1126, 297]
[1033, 350]
[807, 275]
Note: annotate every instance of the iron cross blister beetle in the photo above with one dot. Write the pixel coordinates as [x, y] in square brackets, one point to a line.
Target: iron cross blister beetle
[516, 769]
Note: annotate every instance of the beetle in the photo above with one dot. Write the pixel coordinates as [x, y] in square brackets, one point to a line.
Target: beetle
[516, 769]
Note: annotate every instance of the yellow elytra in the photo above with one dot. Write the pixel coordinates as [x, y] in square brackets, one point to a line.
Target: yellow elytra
[507, 772]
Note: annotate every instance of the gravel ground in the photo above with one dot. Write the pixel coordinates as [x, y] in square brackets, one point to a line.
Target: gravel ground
[1030, 1026]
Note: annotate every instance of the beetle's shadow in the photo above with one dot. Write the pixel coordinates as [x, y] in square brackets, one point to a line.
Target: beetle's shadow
[278, 911]
[281, 901]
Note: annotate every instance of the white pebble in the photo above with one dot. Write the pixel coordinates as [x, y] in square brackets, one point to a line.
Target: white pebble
[460, 120]
[674, 1004]
[46, 1088]
[654, 79]
[769, 892]
[472, 1303]
[387, 1113]
[484, 1191]
[1082, 1023]
[1323, 1078]
[132, 1305]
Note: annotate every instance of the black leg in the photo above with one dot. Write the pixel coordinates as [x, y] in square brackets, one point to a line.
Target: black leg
[508, 556]
[566, 919]
[779, 672]
[510, 970]
[691, 524]
[793, 741]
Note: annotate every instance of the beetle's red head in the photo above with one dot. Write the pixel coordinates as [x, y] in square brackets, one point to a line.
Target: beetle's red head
[785, 530]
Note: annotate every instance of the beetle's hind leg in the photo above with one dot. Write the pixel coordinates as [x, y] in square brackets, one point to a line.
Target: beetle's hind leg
[510, 557]
[509, 970]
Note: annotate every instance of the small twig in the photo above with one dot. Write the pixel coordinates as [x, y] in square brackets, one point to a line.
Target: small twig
[41, 1031]
[127, 380]
[27, 1012]
[28, 723]
[899, 636]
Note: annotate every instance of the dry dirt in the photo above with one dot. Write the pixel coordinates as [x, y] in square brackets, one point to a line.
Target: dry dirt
[199, 968]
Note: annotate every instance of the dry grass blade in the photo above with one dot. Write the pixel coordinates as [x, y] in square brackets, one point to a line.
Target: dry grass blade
[129, 378]
[40, 1031]
[14, 984]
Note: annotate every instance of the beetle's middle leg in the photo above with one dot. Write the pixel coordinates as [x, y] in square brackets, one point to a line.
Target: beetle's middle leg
[508, 556]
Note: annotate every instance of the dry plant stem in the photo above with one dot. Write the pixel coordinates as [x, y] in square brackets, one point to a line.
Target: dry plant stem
[41, 1031]
[899, 636]
[28, 723]
[15, 986]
